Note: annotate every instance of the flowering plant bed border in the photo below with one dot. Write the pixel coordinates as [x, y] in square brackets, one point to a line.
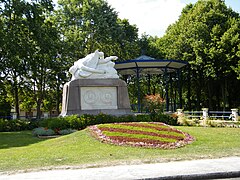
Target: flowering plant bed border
[99, 133]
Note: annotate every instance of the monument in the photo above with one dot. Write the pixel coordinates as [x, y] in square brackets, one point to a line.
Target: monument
[95, 88]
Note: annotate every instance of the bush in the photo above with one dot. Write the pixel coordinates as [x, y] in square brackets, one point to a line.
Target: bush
[154, 103]
[16, 125]
[43, 132]
[143, 118]
[55, 123]
[66, 131]
[74, 121]
[3, 125]
[165, 118]
[81, 122]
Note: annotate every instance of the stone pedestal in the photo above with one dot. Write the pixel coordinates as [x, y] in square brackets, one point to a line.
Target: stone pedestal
[94, 96]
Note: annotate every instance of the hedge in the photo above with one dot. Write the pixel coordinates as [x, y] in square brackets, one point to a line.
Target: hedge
[81, 122]
[7, 125]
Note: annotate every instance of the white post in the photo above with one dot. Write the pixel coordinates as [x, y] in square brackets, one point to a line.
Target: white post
[234, 114]
[205, 113]
[14, 116]
[45, 115]
[179, 112]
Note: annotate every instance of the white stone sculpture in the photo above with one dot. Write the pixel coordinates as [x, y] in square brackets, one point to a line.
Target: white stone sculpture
[94, 66]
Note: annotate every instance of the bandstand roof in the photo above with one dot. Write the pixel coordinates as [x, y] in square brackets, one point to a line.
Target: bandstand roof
[148, 65]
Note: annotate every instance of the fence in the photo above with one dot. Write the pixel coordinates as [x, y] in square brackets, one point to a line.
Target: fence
[44, 115]
[205, 113]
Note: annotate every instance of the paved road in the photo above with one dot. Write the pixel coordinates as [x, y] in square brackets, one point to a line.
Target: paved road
[196, 169]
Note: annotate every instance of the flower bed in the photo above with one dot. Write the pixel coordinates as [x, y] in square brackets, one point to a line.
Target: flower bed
[151, 135]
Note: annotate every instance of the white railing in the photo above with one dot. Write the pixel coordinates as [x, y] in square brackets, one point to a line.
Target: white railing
[205, 113]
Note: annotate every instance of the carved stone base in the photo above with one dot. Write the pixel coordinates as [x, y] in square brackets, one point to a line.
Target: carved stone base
[94, 96]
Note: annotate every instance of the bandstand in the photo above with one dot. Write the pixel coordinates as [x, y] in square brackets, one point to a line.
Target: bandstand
[145, 65]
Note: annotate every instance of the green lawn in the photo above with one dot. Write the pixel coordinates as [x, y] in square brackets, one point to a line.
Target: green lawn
[21, 151]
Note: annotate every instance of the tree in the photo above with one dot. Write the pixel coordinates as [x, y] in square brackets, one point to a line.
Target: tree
[5, 105]
[90, 25]
[149, 46]
[43, 37]
[29, 46]
[206, 35]
[12, 47]
[38, 45]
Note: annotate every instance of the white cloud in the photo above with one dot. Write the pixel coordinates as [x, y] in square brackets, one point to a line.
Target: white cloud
[150, 16]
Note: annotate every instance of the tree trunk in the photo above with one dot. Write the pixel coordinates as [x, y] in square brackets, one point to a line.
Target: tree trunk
[58, 100]
[39, 98]
[16, 97]
[39, 114]
[189, 105]
[209, 86]
[224, 94]
[199, 90]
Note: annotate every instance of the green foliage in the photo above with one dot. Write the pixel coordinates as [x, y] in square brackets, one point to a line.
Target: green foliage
[165, 118]
[38, 44]
[66, 131]
[187, 122]
[81, 122]
[74, 121]
[5, 106]
[54, 123]
[143, 118]
[43, 132]
[16, 125]
[207, 36]
[86, 28]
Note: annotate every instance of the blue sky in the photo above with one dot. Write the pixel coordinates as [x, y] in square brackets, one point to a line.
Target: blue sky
[143, 13]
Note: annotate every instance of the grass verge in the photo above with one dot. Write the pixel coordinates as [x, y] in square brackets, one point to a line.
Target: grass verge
[82, 150]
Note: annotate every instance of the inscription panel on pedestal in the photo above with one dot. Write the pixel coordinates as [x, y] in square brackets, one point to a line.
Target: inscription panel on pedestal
[98, 98]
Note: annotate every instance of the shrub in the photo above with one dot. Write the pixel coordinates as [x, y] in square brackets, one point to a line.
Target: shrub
[66, 131]
[43, 132]
[143, 118]
[128, 118]
[74, 121]
[154, 102]
[16, 125]
[3, 125]
[102, 119]
[55, 123]
[165, 118]
[81, 122]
